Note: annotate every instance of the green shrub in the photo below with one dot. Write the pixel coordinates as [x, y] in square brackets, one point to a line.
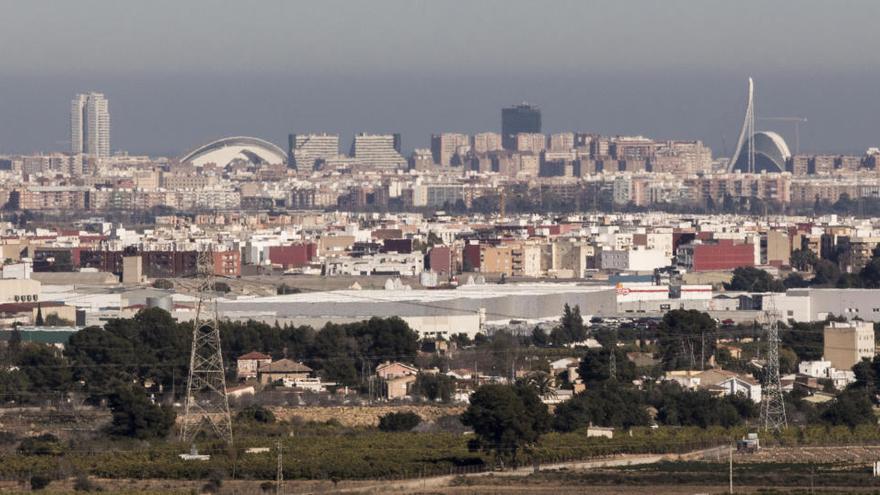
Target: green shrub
[45, 444]
[84, 484]
[399, 421]
[39, 481]
[256, 414]
[163, 283]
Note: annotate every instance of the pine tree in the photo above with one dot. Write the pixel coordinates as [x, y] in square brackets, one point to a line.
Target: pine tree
[38, 321]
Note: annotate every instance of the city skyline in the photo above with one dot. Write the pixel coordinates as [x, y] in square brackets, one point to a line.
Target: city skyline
[678, 76]
[720, 135]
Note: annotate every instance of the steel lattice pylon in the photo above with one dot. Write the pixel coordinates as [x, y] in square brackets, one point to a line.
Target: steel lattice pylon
[772, 400]
[207, 406]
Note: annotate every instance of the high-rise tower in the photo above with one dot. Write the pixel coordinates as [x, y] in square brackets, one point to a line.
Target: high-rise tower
[523, 118]
[90, 125]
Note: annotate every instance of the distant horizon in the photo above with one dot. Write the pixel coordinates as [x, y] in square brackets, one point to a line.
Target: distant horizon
[180, 75]
[141, 129]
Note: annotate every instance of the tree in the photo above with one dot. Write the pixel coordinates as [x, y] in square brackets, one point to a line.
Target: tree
[222, 287]
[461, 340]
[135, 416]
[803, 259]
[851, 407]
[607, 405]
[38, 320]
[13, 385]
[684, 335]
[163, 283]
[286, 289]
[53, 320]
[541, 382]
[505, 419]
[870, 274]
[795, 281]
[749, 278]
[595, 367]
[39, 481]
[826, 273]
[256, 414]
[540, 337]
[434, 386]
[44, 371]
[679, 407]
[571, 326]
[399, 421]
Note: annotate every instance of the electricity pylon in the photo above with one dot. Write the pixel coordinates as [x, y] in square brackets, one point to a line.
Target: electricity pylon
[207, 406]
[772, 400]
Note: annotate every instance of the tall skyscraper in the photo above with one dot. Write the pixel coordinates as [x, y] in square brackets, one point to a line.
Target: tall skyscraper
[90, 125]
[522, 118]
[306, 149]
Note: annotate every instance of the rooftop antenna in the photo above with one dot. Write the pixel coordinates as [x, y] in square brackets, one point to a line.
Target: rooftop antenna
[207, 405]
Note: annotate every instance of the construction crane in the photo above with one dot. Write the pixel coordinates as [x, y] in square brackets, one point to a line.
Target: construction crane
[797, 128]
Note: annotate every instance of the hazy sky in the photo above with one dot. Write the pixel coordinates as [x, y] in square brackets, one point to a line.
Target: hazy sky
[180, 73]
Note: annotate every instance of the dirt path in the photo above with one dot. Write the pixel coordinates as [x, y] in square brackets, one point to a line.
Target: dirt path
[437, 482]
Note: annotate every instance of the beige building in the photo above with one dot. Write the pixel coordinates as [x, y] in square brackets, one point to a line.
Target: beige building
[497, 260]
[778, 248]
[19, 290]
[249, 364]
[845, 344]
[283, 369]
[571, 259]
[397, 378]
[132, 270]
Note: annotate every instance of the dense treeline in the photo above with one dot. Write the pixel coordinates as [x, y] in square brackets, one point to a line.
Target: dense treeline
[825, 272]
[152, 349]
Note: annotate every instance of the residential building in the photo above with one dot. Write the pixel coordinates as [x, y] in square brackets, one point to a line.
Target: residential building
[723, 254]
[305, 150]
[487, 142]
[90, 125]
[283, 369]
[249, 364]
[378, 150]
[447, 145]
[845, 344]
[397, 379]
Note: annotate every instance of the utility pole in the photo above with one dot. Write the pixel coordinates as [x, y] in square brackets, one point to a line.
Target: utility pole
[206, 401]
[702, 350]
[279, 475]
[730, 475]
[612, 359]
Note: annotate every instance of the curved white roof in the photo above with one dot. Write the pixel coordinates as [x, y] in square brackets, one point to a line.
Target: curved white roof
[223, 151]
[779, 142]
